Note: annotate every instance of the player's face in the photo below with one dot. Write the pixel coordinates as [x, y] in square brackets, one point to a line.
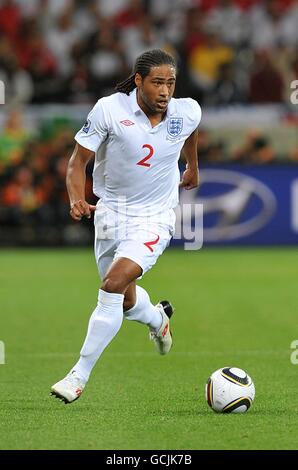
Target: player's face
[156, 89]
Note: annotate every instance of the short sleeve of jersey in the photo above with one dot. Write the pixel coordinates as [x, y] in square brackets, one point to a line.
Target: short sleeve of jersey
[95, 130]
[195, 113]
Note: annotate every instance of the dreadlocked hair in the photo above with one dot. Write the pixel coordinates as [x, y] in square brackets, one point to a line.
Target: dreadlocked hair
[143, 65]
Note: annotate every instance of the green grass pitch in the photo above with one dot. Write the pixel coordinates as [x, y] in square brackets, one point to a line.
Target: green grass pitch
[233, 307]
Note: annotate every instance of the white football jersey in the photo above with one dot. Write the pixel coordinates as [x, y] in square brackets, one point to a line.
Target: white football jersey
[136, 165]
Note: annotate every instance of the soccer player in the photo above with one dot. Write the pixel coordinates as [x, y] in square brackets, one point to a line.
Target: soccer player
[136, 136]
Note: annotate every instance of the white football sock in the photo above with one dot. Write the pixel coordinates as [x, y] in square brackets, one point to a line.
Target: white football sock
[143, 311]
[104, 324]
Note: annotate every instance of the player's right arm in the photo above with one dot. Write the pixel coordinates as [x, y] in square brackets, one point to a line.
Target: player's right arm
[76, 180]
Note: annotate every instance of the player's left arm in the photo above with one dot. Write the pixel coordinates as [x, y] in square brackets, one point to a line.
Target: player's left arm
[190, 177]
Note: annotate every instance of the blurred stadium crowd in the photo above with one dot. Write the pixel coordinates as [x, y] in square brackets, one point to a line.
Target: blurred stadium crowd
[229, 52]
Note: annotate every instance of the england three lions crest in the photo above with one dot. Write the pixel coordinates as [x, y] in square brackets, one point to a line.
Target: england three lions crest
[175, 126]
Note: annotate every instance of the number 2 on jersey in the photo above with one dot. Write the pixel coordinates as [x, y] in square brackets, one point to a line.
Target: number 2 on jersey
[143, 162]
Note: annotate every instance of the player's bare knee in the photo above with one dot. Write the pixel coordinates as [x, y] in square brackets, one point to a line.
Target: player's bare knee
[112, 285]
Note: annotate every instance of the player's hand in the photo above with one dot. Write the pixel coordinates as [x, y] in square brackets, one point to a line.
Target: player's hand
[80, 208]
[190, 179]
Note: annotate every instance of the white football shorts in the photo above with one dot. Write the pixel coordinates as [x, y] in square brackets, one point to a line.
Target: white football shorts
[139, 238]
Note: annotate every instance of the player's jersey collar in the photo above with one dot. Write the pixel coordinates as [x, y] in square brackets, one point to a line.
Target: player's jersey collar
[136, 108]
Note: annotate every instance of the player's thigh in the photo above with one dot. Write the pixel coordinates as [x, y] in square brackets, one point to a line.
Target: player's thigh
[122, 272]
[143, 253]
[104, 265]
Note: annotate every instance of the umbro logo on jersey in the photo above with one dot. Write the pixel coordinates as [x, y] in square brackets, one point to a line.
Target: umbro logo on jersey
[127, 122]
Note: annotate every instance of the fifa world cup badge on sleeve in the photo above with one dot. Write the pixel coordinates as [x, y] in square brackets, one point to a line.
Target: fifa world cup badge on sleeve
[86, 126]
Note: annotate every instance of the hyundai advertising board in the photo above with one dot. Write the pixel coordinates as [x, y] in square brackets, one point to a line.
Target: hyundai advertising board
[242, 205]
